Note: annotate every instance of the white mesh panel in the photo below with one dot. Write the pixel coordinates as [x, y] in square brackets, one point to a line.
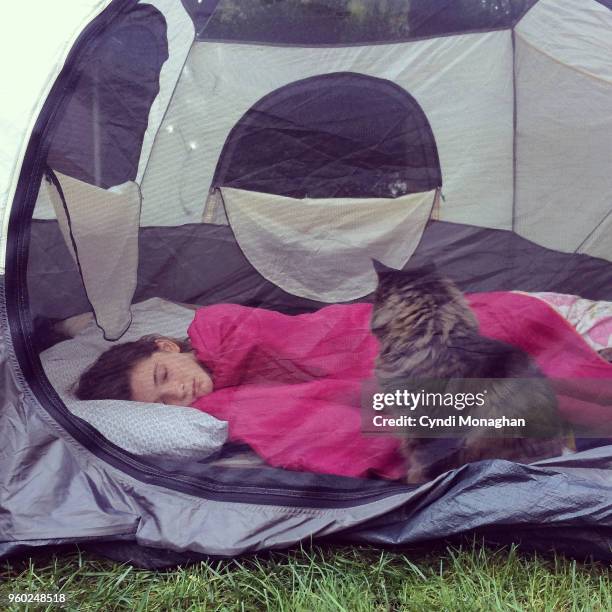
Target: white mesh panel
[322, 248]
[104, 227]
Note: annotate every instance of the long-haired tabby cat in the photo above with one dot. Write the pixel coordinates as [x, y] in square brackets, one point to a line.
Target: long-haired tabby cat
[430, 342]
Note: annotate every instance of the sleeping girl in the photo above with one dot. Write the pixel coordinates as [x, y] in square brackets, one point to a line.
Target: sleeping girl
[291, 386]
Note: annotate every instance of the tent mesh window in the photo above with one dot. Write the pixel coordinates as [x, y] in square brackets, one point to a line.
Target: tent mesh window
[337, 135]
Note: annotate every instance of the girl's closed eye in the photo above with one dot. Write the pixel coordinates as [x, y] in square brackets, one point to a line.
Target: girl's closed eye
[160, 374]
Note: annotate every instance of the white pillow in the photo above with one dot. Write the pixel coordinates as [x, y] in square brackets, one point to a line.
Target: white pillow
[142, 429]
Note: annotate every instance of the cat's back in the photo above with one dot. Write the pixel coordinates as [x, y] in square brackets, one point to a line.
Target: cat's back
[484, 357]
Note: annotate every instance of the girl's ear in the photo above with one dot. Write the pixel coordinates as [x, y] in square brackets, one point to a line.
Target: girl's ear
[167, 345]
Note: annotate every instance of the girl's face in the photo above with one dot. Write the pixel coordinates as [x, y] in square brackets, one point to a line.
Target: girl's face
[169, 377]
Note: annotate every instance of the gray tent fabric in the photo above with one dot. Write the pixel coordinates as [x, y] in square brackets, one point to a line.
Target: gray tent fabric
[157, 511]
[94, 500]
[478, 259]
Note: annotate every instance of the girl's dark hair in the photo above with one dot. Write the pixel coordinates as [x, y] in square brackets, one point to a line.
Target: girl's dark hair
[109, 376]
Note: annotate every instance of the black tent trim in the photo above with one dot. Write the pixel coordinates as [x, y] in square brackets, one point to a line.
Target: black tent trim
[451, 244]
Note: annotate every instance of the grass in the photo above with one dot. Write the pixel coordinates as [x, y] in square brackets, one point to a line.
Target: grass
[321, 579]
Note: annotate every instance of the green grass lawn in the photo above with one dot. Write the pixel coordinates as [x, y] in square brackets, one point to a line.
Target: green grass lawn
[317, 579]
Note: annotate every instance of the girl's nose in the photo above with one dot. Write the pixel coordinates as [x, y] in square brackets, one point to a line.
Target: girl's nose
[179, 389]
[175, 390]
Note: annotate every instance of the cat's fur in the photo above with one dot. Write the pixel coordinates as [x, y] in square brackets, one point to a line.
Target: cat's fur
[430, 340]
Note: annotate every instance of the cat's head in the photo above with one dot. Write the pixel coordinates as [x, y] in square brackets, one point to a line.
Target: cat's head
[413, 277]
[398, 291]
[407, 301]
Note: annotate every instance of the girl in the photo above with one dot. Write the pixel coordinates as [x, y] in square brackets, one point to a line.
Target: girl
[291, 386]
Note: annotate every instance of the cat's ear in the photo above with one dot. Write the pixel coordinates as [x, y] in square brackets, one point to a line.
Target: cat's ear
[380, 267]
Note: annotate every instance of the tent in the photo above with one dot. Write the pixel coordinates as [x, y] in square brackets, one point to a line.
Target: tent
[260, 153]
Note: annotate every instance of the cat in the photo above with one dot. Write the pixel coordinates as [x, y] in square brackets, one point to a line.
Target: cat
[430, 342]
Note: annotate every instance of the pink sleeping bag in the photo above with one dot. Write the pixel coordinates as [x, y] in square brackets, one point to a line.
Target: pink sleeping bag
[289, 386]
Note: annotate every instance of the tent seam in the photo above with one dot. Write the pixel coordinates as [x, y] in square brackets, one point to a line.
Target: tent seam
[519, 19]
[514, 129]
[593, 230]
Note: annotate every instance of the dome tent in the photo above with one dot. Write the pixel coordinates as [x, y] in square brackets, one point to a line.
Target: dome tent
[261, 153]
